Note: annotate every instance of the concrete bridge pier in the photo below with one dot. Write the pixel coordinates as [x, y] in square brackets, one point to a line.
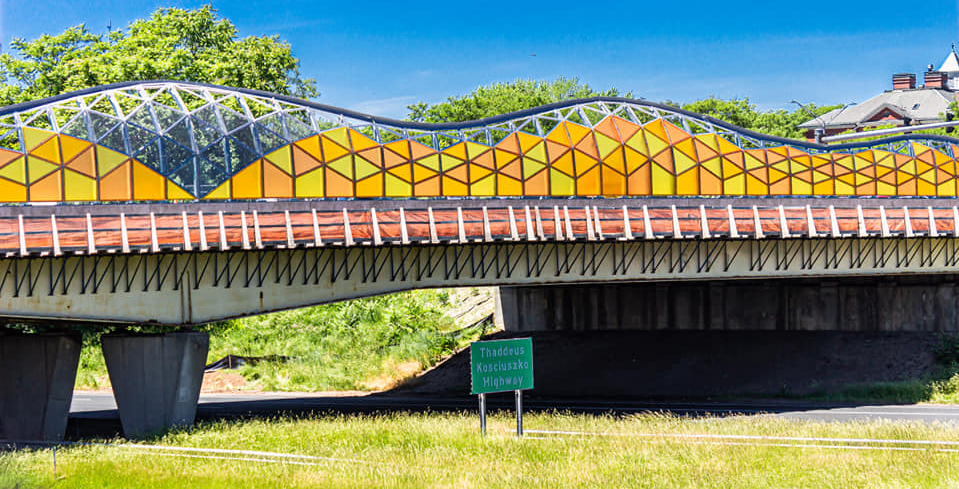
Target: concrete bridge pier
[156, 378]
[37, 374]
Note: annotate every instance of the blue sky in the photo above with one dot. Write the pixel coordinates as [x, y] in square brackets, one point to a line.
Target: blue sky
[379, 57]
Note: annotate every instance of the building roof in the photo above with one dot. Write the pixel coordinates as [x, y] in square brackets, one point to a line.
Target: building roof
[921, 105]
[951, 63]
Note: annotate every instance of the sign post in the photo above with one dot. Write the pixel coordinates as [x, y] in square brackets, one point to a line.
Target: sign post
[501, 366]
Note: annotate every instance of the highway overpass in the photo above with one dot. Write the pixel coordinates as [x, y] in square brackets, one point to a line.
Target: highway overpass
[177, 204]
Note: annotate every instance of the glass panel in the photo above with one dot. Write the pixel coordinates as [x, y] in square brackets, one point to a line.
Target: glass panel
[268, 139]
[210, 176]
[174, 154]
[185, 175]
[204, 134]
[150, 156]
[166, 116]
[102, 124]
[232, 120]
[240, 155]
[139, 137]
[114, 140]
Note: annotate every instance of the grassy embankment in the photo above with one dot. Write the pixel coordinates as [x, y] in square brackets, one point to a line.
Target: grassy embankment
[940, 387]
[348, 345]
[445, 450]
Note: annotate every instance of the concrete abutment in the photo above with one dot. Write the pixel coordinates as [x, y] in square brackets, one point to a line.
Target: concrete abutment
[156, 378]
[37, 374]
[882, 303]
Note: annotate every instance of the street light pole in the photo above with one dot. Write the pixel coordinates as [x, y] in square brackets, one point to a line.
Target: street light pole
[818, 133]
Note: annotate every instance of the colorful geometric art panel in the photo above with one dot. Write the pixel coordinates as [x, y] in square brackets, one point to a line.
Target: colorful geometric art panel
[172, 141]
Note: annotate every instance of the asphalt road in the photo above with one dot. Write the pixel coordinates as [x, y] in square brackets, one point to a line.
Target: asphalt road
[93, 407]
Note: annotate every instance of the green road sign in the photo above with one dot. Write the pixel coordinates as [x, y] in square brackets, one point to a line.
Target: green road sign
[501, 365]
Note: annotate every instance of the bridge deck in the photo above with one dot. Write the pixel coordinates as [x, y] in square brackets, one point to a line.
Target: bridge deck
[279, 227]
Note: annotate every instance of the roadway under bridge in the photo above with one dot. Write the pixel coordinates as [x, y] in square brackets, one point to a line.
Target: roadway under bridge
[179, 204]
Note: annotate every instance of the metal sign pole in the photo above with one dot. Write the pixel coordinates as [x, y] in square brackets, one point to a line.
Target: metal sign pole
[519, 413]
[482, 409]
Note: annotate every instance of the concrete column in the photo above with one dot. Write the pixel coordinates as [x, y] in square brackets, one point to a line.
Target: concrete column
[37, 374]
[156, 378]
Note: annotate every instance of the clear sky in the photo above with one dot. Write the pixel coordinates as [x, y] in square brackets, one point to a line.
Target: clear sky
[378, 57]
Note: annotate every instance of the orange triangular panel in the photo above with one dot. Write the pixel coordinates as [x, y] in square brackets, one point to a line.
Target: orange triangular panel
[84, 163]
[276, 182]
[116, 184]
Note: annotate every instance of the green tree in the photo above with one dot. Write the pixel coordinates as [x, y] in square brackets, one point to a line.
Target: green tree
[502, 98]
[740, 112]
[175, 44]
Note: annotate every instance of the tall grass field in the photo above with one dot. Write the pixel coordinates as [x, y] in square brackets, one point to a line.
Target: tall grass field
[348, 345]
[446, 450]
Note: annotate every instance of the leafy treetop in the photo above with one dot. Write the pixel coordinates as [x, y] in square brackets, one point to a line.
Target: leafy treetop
[503, 98]
[175, 44]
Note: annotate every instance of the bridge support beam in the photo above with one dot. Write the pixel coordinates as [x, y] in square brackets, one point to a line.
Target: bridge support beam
[904, 303]
[156, 378]
[37, 375]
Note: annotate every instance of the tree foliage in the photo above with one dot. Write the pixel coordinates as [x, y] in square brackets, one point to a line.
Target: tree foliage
[502, 98]
[740, 112]
[174, 44]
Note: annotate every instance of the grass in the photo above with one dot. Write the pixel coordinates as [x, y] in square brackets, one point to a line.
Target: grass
[940, 389]
[445, 450]
[341, 346]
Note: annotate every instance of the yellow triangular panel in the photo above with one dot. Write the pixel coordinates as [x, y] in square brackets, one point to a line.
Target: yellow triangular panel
[531, 167]
[282, 159]
[475, 149]
[638, 143]
[537, 152]
[310, 184]
[332, 150]
[664, 183]
[175, 192]
[338, 136]
[527, 141]
[421, 173]
[396, 187]
[78, 187]
[360, 141]
[221, 193]
[681, 161]
[147, 184]
[364, 168]
[560, 184]
[484, 187]
[312, 146]
[12, 192]
[605, 144]
[343, 166]
[38, 168]
[71, 147]
[448, 162]
[34, 137]
[654, 143]
[49, 150]
[107, 160]
[457, 150]
[432, 161]
[15, 170]
[248, 183]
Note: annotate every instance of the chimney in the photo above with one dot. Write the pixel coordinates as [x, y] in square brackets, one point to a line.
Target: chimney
[935, 79]
[903, 81]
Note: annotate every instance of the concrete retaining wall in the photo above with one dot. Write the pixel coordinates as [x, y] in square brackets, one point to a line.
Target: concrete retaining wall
[915, 303]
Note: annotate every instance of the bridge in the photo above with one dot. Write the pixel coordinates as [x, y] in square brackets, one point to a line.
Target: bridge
[179, 203]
